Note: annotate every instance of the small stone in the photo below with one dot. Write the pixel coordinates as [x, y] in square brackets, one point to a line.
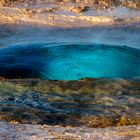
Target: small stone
[79, 9]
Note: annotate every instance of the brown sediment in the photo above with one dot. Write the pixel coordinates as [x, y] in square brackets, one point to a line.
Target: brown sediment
[91, 102]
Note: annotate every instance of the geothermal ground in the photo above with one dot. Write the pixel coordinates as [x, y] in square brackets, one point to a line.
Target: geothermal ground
[69, 75]
[67, 14]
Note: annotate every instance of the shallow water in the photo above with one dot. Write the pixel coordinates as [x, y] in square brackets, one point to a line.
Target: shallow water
[91, 102]
[94, 103]
[69, 61]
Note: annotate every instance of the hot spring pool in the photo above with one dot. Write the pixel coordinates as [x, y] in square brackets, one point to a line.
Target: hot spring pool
[69, 61]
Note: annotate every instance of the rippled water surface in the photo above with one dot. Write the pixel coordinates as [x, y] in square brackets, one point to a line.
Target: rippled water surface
[94, 103]
[69, 61]
[98, 52]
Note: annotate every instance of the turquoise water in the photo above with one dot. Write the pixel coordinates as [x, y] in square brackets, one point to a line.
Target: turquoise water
[69, 61]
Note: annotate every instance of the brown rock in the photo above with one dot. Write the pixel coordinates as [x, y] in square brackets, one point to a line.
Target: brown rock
[2, 3]
[2, 78]
[79, 9]
[132, 4]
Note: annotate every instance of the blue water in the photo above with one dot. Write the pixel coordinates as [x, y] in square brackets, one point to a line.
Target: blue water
[69, 61]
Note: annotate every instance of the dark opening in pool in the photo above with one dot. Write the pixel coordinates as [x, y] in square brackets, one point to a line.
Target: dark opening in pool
[69, 61]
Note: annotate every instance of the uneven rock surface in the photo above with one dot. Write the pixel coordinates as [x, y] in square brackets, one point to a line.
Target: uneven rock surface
[66, 14]
[9, 131]
[88, 102]
[103, 3]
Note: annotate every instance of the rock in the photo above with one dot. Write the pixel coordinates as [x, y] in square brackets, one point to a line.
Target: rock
[79, 9]
[2, 78]
[132, 4]
[9, 131]
[103, 4]
[2, 3]
[10, 2]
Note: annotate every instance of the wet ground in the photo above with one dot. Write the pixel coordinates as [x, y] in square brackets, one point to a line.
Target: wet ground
[121, 35]
[87, 102]
[94, 103]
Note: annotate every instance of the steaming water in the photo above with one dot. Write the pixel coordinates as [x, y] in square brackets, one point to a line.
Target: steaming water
[65, 102]
[69, 61]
